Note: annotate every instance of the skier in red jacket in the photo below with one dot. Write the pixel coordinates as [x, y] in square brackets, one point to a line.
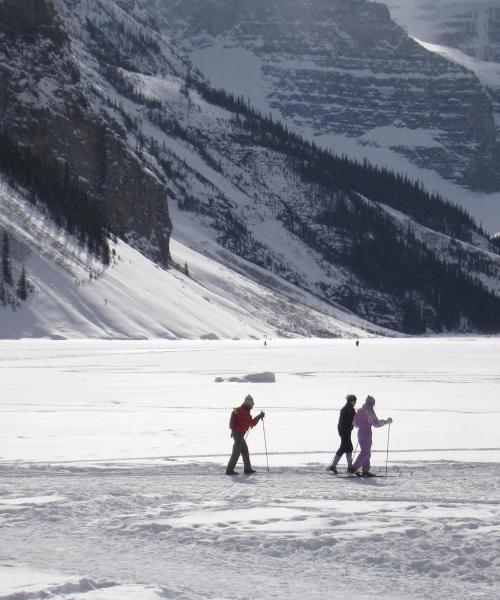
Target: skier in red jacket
[240, 422]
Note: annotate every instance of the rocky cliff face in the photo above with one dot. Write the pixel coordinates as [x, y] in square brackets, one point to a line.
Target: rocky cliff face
[474, 29]
[470, 26]
[56, 108]
[31, 18]
[335, 67]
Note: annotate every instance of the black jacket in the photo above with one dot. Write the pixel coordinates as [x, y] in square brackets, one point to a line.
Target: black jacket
[346, 418]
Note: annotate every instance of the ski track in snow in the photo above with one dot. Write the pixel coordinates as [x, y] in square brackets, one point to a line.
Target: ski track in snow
[184, 531]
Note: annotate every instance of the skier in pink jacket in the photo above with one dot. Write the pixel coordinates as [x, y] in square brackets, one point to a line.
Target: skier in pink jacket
[364, 420]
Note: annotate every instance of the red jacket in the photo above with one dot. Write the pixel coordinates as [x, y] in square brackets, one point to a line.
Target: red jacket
[241, 419]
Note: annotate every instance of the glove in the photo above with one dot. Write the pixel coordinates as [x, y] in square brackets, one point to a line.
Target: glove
[262, 414]
[388, 421]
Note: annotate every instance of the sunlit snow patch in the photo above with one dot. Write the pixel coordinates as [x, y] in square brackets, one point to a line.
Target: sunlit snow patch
[393, 136]
[30, 501]
[487, 72]
[271, 519]
[17, 582]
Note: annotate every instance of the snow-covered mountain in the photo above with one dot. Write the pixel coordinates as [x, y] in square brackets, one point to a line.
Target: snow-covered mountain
[76, 296]
[337, 68]
[111, 135]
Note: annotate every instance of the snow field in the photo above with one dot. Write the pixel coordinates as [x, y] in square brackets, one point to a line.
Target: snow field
[112, 484]
[100, 400]
[193, 532]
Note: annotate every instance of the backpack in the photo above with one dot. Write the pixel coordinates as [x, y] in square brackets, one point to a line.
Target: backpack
[232, 418]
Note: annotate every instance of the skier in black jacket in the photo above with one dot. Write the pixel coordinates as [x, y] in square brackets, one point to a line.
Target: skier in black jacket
[345, 428]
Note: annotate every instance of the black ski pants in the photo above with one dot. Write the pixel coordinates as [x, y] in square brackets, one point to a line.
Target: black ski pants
[345, 443]
[240, 448]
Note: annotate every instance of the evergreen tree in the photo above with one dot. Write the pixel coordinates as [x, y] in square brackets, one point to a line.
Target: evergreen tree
[67, 200]
[3, 296]
[22, 286]
[6, 266]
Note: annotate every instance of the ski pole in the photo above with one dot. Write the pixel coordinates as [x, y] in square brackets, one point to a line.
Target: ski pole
[387, 453]
[265, 444]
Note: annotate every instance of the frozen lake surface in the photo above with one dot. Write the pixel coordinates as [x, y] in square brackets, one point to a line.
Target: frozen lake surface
[112, 458]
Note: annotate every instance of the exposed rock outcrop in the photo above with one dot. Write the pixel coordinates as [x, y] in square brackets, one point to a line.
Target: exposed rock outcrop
[50, 106]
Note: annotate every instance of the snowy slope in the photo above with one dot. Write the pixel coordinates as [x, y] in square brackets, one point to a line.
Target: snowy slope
[452, 251]
[75, 296]
[487, 72]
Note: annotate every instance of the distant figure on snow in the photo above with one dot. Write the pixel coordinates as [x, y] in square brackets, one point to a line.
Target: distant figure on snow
[357, 343]
[345, 427]
[240, 422]
[364, 420]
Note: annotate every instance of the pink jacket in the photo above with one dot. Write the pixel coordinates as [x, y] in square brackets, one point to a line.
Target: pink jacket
[366, 418]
